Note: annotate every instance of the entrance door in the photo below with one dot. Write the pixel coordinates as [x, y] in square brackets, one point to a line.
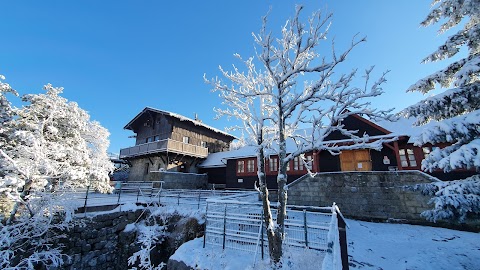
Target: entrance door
[356, 160]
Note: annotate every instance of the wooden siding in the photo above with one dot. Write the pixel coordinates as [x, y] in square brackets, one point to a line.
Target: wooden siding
[328, 162]
[196, 134]
[156, 133]
[151, 125]
[356, 160]
[248, 181]
[215, 175]
[166, 145]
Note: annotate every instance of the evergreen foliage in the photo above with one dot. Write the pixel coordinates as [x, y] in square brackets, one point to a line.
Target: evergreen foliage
[455, 112]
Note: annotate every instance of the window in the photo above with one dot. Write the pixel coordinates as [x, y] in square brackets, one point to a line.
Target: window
[297, 164]
[411, 158]
[149, 139]
[147, 165]
[309, 164]
[273, 164]
[407, 158]
[203, 144]
[240, 166]
[288, 166]
[186, 139]
[251, 165]
[156, 138]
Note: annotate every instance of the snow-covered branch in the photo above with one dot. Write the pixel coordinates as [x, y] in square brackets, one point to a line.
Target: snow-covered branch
[272, 105]
[455, 112]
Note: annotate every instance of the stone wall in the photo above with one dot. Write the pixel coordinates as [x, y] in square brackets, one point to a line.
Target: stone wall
[174, 180]
[364, 195]
[101, 242]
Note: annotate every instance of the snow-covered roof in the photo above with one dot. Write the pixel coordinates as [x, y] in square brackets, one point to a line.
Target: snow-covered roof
[404, 127]
[178, 116]
[219, 159]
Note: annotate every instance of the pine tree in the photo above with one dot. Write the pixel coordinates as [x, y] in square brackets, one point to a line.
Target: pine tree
[455, 112]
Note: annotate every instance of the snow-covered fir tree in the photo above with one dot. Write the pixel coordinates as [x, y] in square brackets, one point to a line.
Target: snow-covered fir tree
[50, 145]
[455, 112]
[294, 89]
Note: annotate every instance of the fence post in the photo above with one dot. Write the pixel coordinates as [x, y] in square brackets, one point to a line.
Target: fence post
[261, 224]
[224, 225]
[86, 198]
[178, 199]
[138, 193]
[199, 200]
[206, 226]
[119, 193]
[160, 192]
[305, 226]
[342, 235]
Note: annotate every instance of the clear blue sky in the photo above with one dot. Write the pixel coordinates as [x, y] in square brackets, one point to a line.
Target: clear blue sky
[116, 57]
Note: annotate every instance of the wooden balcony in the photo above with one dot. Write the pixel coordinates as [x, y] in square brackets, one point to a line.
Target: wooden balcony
[167, 145]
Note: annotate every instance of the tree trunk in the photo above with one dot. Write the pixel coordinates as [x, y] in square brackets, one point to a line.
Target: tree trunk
[16, 206]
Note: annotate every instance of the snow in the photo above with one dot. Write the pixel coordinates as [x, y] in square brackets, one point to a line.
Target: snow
[371, 246]
[402, 246]
[193, 254]
[219, 159]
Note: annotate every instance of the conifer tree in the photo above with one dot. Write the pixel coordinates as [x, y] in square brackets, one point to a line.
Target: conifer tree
[455, 112]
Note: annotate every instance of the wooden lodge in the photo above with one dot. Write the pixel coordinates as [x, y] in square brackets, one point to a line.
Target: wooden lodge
[238, 168]
[170, 142]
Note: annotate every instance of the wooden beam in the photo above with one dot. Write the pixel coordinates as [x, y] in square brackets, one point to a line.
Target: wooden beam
[389, 146]
[397, 155]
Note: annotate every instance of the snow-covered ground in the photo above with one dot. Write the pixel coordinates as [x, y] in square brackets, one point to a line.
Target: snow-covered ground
[402, 246]
[371, 246]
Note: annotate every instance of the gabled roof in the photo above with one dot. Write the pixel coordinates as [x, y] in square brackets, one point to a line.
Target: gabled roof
[402, 127]
[177, 116]
[405, 127]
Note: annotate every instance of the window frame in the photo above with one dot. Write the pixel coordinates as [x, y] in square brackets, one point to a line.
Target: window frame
[407, 158]
[273, 164]
[250, 166]
[242, 167]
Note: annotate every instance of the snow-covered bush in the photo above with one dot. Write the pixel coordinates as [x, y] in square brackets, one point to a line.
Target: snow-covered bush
[455, 112]
[47, 147]
[453, 200]
[148, 236]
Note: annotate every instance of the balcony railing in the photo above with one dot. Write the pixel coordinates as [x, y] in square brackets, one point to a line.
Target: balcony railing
[167, 145]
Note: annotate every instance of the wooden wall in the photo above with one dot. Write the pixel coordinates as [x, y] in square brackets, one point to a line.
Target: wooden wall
[167, 127]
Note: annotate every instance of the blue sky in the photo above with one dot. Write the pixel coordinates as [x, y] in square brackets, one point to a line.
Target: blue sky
[116, 57]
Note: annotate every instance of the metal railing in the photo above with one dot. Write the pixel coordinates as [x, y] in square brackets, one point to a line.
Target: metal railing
[147, 192]
[164, 146]
[239, 225]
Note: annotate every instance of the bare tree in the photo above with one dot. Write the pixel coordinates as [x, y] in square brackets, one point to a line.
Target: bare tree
[273, 106]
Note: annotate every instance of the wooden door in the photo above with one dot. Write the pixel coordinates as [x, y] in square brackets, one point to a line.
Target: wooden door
[356, 160]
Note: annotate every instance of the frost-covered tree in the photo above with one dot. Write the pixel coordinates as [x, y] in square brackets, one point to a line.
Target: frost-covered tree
[50, 146]
[456, 111]
[6, 112]
[295, 88]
